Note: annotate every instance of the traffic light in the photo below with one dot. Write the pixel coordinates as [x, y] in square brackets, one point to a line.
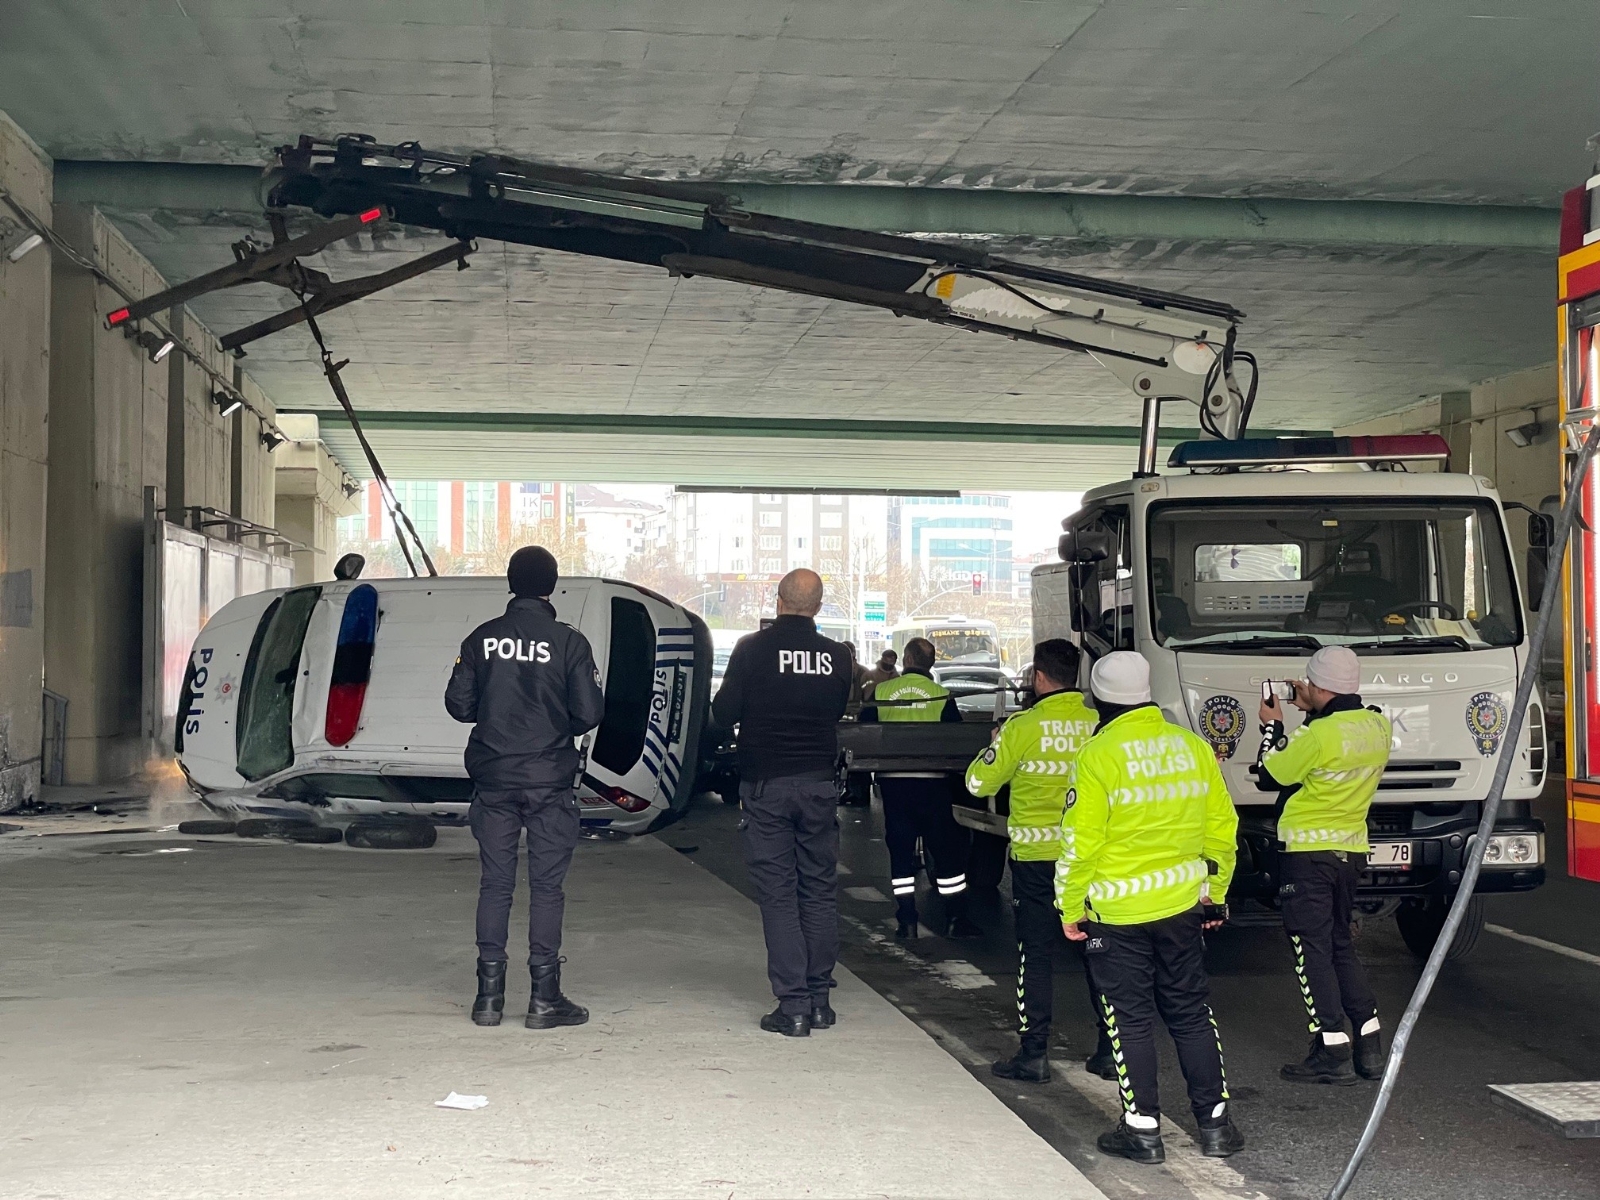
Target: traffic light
[977, 583]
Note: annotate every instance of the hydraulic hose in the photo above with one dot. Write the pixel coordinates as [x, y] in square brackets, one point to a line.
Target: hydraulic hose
[1491, 809]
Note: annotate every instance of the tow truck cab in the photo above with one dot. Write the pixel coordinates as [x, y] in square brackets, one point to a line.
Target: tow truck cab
[1225, 579]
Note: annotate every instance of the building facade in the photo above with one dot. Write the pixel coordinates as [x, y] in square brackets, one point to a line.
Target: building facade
[954, 538]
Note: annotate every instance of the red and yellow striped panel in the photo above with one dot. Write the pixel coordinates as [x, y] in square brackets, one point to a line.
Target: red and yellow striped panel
[1583, 829]
[1578, 274]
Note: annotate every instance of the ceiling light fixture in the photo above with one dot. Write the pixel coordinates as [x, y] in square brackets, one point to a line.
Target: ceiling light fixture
[272, 440]
[32, 242]
[1526, 434]
[227, 403]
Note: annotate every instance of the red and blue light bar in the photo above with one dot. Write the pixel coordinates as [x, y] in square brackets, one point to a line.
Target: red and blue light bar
[352, 664]
[1266, 452]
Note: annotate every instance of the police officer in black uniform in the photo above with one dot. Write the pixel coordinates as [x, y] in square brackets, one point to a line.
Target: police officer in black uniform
[529, 684]
[786, 688]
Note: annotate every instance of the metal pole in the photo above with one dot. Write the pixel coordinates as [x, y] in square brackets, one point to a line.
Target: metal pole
[1149, 431]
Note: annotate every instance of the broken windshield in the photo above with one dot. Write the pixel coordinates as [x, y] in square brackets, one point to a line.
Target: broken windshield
[1425, 577]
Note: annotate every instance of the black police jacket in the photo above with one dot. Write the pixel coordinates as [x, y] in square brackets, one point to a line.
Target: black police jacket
[786, 688]
[529, 683]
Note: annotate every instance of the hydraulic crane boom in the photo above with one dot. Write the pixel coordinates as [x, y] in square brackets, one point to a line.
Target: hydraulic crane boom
[1164, 346]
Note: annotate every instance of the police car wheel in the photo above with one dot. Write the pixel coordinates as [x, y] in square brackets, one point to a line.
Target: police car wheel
[269, 827]
[207, 826]
[315, 835]
[391, 835]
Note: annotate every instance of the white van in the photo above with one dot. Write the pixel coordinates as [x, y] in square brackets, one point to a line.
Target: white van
[329, 699]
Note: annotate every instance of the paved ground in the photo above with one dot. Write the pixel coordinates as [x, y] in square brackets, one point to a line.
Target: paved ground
[205, 1017]
[1511, 1013]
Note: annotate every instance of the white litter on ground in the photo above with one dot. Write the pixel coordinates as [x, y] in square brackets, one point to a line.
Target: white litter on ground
[457, 1100]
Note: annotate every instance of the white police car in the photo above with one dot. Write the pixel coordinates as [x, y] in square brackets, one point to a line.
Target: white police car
[329, 699]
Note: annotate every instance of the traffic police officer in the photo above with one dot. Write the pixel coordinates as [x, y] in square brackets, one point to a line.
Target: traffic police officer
[1152, 845]
[1327, 773]
[528, 684]
[786, 688]
[917, 804]
[1036, 753]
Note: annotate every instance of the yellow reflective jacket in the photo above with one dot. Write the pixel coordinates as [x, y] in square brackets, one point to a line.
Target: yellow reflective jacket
[1036, 754]
[1149, 810]
[1338, 761]
[913, 685]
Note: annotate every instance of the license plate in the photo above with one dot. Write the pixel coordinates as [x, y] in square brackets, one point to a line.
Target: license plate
[1391, 856]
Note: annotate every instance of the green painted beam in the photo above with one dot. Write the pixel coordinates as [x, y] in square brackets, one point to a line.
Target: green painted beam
[764, 427]
[219, 188]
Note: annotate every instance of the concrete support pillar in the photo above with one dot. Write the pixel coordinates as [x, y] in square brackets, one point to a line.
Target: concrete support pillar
[25, 177]
[311, 497]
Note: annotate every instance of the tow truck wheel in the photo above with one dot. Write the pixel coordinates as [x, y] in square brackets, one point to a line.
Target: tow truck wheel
[1421, 921]
[987, 861]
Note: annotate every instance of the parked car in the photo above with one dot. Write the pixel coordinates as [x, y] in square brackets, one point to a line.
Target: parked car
[329, 699]
[975, 688]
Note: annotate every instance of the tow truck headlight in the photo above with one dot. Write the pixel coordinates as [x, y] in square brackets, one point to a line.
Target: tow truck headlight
[1514, 850]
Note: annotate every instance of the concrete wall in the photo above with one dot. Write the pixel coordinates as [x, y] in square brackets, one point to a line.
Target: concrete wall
[311, 497]
[123, 423]
[25, 174]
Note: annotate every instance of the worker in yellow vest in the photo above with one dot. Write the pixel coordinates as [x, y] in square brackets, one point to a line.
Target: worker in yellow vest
[916, 804]
[1145, 873]
[1035, 754]
[1329, 772]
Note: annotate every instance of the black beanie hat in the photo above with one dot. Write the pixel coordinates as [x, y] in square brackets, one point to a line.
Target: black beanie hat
[532, 572]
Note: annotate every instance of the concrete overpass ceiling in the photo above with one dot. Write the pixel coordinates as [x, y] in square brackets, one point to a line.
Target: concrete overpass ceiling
[1349, 99]
[1386, 98]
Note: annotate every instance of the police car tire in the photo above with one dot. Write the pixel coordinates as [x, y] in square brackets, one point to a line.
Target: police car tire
[207, 826]
[403, 834]
[316, 835]
[263, 827]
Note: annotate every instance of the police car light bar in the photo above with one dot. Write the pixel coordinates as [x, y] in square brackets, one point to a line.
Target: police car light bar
[1264, 452]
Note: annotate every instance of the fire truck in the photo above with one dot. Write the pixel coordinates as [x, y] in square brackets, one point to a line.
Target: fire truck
[1578, 315]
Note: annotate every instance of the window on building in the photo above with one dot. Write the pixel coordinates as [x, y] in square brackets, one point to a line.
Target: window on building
[767, 498]
[772, 543]
[771, 520]
[799, 543]
[549, 510]
[831, 566]
[738, 543]
[831, 520]
[737, 564]
[830, 542]
[770, 565]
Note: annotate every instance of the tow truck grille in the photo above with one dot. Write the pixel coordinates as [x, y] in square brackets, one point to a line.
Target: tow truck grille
[1420, 774]
[1386, 822]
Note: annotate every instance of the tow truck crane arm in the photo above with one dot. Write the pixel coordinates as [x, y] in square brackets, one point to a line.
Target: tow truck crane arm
[1163, 345]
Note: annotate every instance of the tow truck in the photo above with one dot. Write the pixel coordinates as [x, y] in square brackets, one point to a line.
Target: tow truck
[1225, 577]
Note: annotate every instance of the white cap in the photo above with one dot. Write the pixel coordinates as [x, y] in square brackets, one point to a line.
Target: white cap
[1121, 677]
[1335, 669]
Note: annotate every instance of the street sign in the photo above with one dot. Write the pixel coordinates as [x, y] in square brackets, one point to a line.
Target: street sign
[875, 610]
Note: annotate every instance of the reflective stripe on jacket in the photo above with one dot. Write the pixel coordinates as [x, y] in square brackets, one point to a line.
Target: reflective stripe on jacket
[1036, 755]
[1148, 810]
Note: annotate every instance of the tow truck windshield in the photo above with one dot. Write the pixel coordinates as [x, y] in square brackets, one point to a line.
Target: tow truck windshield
[1286, 577]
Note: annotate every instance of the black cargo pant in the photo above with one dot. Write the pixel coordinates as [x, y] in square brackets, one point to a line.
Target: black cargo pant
[790, 830]
[1318, 897]
[1033, 906]
[919, 807]
[1154, 968]
[550, 815]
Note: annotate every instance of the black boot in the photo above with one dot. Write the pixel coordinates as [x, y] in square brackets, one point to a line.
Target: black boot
[1030, 1064]
[1103, 1062]
[1140, 1145]
[491, 1001]
[788, 1024]
[1369, 1054]
[548, 1008]
[963, 926]
[905, 916]
[1218, 1137]
[822, 1014]
[1323, 1064]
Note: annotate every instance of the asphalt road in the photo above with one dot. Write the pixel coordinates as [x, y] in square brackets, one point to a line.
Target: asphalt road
[1509, 1013]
